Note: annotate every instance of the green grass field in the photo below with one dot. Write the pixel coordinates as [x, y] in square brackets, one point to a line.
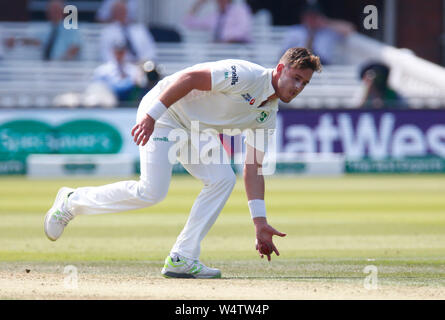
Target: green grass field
[335, 227]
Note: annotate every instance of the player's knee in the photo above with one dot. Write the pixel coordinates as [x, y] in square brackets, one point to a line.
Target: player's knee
[151, 193]
[227, 180]
[231, 180]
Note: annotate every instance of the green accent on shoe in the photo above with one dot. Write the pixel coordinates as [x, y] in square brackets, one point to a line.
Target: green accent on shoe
[196, 269]
[169, 262]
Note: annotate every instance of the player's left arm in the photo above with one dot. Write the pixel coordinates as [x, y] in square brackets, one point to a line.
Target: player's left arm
[254, 185]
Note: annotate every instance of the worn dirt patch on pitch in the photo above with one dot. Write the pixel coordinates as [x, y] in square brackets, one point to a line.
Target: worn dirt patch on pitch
[19, 281]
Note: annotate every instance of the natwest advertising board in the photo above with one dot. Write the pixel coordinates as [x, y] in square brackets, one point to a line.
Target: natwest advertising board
[375, 135]
[371, 141]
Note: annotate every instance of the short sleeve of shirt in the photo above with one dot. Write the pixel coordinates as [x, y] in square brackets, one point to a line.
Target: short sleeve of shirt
[231, 76]
[264, 135]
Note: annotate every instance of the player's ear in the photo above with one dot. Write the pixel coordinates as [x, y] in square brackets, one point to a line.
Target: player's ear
[280, 68]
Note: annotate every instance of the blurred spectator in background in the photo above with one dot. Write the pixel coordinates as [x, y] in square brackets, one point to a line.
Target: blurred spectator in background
[318, 33]
[104, 13]
[2, 40]
[232, 23]
[126, 80]
[153, 73]
[140, 43]
[60, 43]
[57, 42]
[376, 93]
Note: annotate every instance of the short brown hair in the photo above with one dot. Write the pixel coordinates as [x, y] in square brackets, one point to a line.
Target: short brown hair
[301, 58]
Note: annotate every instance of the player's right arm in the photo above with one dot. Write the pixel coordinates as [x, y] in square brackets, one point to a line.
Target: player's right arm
[186, 82]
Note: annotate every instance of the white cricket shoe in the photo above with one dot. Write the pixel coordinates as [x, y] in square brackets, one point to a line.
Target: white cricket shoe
[58, 216]
[180, 267]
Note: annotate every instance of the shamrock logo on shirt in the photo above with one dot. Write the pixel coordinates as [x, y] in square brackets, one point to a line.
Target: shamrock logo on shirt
[262, 117]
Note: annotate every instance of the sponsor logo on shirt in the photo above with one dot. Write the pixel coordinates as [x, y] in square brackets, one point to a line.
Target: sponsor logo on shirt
[234, 76]
[248, 98]
[263, 116]
[165, 139]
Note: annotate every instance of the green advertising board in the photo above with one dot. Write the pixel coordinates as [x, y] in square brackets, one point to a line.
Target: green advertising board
[406, 165]
[19, 138]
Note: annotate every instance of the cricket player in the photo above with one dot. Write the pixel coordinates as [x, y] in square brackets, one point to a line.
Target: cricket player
[219, 95]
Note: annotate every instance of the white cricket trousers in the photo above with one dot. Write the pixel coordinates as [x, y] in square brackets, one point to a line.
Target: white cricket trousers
[156, 171]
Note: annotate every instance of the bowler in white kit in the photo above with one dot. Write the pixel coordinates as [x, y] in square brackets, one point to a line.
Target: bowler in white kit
[218, 96]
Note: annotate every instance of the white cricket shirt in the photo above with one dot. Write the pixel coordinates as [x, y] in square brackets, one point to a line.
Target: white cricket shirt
[238, 89]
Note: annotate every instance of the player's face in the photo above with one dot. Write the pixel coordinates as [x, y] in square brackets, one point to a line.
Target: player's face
[292, 81]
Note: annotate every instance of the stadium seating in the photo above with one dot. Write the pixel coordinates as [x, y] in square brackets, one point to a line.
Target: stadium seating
[26, 81]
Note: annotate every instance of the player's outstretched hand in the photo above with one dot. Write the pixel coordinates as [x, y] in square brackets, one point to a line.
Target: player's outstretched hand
[142, 131]
[264, 233]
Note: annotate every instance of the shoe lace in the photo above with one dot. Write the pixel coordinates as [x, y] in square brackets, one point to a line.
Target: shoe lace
[193, 264]
[63, 217]
[196, 266]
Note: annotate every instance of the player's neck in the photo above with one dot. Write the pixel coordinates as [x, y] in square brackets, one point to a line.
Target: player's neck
[274, 85]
